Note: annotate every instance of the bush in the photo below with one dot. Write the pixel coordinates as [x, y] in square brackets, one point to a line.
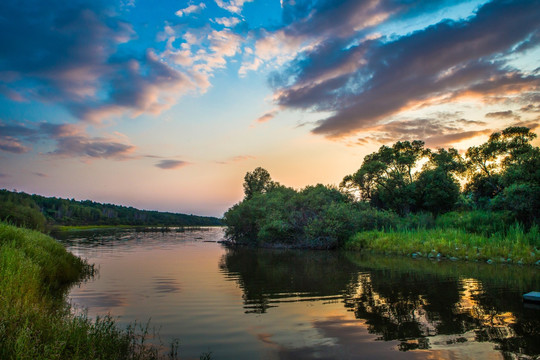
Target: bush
[315, 217]
[23, 216]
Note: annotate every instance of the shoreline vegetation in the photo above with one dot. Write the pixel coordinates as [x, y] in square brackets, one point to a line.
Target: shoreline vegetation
[50, 213]
[36, 322]
[139, 228]
[408, 200]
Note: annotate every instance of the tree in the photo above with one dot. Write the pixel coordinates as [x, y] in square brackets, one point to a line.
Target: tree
[506, 159]
[437, 189]
[257, 182]
[386, 178]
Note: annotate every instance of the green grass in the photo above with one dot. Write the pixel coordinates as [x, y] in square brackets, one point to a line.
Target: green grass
[35, 320]
[515, 244]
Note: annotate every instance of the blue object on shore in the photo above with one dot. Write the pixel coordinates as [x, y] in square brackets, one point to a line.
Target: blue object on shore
[532, 296]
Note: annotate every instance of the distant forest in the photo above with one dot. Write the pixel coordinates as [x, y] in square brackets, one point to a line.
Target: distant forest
[39, 212]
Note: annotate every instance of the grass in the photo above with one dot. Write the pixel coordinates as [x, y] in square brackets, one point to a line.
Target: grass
[513, 246]
[35, 320]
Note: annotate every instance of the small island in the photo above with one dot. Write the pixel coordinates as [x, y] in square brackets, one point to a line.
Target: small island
[410, 200]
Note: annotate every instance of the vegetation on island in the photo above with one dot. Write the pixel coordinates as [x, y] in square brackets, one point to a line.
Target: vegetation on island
[35, 320]
[408, 199]
[39, 212]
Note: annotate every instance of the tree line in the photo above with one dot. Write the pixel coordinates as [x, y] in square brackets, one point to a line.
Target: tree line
[398, 186]
[38, 212]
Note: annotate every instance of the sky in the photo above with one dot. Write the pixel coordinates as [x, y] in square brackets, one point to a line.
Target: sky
[166, 105]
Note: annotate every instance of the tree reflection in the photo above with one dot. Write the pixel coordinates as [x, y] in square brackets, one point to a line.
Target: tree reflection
[268, 277]
[417, 303]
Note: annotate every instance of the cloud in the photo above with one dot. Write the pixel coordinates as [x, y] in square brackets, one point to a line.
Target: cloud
[12, 145]
[70, 141]
[190, 9]
[234, 6]
[236, 159]
[309, 24]
[2, 175]
[145, 86]
[266, 117]
[63, 55]
[442, 130]
[531, 108]
[447, 140]
[223, 44]
[228, 22]
[532, 124]
[70, 56]
[38, 174]
[201, 53]
[364, 82]
[82, 146]
[171, 164]
[503, 115]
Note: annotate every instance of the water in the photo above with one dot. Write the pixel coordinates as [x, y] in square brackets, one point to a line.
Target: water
[279, 304]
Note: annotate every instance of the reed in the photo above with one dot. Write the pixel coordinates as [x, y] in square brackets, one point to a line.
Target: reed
[515, 245]
[35, 320]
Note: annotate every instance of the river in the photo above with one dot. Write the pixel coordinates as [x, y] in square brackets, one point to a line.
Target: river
[292, 304]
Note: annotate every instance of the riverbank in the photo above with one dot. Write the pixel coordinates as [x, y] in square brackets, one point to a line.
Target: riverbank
[36, 322]
[141, 228]
[514, 246]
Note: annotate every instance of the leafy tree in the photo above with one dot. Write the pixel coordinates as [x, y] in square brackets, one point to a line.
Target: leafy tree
[315, 217]
[386, 177]
[437, 191]
[515, 144]
[501, 170]
[437, 188]
[257, 182]
[483, 169]
[521, 180]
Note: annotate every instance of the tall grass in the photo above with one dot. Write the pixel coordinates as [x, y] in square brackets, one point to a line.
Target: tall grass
[35, 320]
[515, 245]
[477, 221]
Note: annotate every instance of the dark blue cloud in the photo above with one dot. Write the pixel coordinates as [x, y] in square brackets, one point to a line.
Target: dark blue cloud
[70, 141]
[366, 82]
[171, 164]
[57, 50]
[351, 18]
[67, 52]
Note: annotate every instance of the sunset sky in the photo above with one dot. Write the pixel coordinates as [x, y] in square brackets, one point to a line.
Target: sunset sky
[165, 105]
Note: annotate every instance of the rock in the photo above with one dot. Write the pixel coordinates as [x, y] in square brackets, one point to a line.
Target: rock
[520, 262]
[508, 260]
[439, 255]
[490, 261]
[537, 263]
[453, 258]
[414, 255]
[532, 296]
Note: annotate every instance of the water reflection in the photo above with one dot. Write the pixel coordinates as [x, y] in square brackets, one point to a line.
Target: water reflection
[268, 278]
[278, 304]
[420, 304]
